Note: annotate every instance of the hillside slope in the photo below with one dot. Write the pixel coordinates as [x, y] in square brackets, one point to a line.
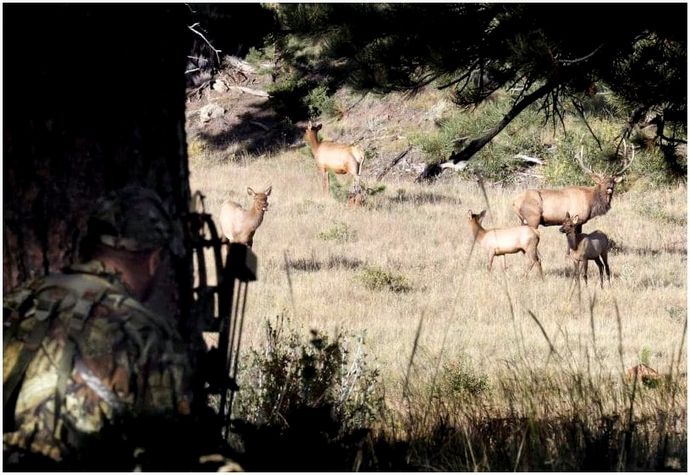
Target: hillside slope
[250, 128]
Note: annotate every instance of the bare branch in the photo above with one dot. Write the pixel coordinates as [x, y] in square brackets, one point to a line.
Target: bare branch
[393, 163]
[260, 125]
[524, 88]
[581, 111]
[461, 78]
[527, 158]
[583, 58]
[198, 89]
[216, 51]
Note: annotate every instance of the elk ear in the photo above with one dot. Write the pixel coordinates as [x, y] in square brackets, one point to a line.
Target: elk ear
[482, 214]
[250, 192]
[576, 219]
[268, 191]
[567, 215]
[309, 125]
[317, 127]
[618, 179]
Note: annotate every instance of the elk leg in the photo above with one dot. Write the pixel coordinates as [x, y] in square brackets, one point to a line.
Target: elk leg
[585, 263]
[541, 271]
[537, 261]
[605, 258]
[599, 264]
[576, 276]
[504, 263]
[534, 259]
[529, 267]
[491, 259]
[325, 181]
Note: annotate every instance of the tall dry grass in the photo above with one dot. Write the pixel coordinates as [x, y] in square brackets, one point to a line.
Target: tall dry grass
[313, 252]
[480, 370]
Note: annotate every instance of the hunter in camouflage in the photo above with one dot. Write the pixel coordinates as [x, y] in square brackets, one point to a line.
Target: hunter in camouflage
[88, 371]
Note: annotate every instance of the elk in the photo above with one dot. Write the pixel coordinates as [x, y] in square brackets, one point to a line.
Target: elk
[586, 247]
[499, 242]
[338, 158]
[548, 207]
[238, 224]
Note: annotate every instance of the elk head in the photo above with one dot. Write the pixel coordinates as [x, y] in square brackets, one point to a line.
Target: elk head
[312, 129]
[476, 218]
[260, 199]
[569, 225]
[607, 181]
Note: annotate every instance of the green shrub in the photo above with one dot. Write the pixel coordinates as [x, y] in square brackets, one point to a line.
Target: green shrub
[320, 103]
[337, 189]
[340, 232]
[374, 189]
[459, 379]
[374, 278]
[287, 96]
[290, 374]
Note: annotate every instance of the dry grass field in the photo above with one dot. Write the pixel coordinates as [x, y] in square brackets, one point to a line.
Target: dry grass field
[316, 257]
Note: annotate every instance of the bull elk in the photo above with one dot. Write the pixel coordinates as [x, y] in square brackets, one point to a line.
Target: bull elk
[238, 224]
[499, 242]
[548, 207]
[586, 247]
[339, 158]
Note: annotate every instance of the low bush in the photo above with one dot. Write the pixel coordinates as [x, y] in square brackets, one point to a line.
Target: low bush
[306, 404]
[340, 232]
[375, 278]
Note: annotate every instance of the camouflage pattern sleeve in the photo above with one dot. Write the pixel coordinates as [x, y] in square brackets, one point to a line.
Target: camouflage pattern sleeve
[127, 364]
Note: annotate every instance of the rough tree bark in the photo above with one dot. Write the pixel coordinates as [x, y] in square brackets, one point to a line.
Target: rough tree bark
[94, 100]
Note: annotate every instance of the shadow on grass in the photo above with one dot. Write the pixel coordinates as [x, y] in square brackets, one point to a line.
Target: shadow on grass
[646, 251]
[423, 197]
[316, 442]
[311, 264]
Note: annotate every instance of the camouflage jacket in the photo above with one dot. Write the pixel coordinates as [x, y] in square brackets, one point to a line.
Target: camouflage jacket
[80, 356]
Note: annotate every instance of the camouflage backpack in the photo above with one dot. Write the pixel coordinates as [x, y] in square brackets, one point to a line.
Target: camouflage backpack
[79, 355]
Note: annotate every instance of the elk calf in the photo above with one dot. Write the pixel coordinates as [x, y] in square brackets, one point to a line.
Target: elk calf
[239, 225]
[586, 247]
[499, 242]
[338, 158]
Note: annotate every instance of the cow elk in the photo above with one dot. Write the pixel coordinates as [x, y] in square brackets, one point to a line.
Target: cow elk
[330, 156]
[548, 207]
[239, 225]
[499, 242]
[586, 247]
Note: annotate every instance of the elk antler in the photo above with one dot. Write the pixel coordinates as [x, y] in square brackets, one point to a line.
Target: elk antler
[628, 162]
[580, 161]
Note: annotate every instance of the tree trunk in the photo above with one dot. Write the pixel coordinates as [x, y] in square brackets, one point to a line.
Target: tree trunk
[94, 100]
